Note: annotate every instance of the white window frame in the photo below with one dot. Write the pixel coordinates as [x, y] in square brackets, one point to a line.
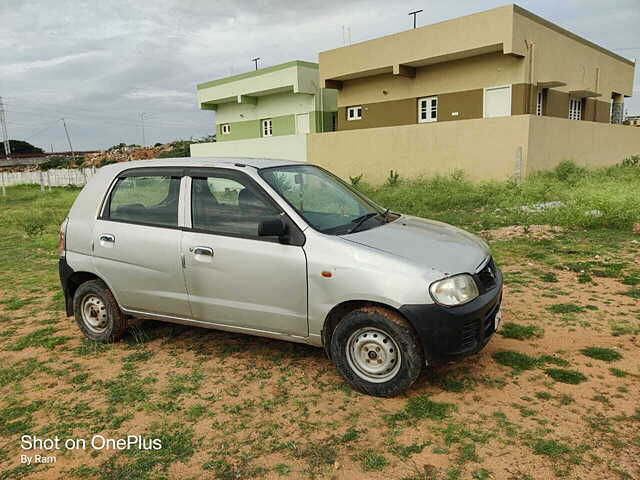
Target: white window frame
[354, 112]
[225, 129]
[575, 109]
[539, 101]
[432, 114]
[267, 127]
[484, 98]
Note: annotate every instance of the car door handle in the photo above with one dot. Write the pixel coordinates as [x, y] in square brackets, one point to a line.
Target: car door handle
[202, 251]
[107, 237]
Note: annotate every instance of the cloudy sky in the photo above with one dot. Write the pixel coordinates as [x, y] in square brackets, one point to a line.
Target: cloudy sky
[100, 64]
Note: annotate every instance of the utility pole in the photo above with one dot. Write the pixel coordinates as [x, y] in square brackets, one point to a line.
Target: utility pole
[255, 61]
[415, 14]
[73, 155]
[7, 145]
[144, 142]
[5, 135]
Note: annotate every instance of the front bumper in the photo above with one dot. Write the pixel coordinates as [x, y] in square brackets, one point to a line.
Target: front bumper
[452, 331]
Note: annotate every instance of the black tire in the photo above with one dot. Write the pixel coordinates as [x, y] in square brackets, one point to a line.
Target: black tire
[394, 326]
[115, 323]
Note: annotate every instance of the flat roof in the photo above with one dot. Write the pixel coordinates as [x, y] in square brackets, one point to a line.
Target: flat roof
[256, 73]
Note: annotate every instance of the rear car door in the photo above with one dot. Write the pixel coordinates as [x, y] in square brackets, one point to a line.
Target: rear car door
[234, 277]
[136, 244]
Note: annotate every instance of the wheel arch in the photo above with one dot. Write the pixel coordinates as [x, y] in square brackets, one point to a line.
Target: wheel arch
[72, 282]
[337, 313]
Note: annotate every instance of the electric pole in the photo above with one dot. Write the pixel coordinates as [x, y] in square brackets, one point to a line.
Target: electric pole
[5, 135]
[73, 155]
[255, 61]
[415, 14]
[7, 145]
[144, 142]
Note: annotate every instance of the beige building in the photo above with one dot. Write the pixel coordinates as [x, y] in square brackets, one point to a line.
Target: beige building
[465, 73]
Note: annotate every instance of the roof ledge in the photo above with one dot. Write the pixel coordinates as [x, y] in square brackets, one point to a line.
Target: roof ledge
[584, 94]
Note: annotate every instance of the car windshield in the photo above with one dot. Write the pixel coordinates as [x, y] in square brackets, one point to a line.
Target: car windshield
[327, 203]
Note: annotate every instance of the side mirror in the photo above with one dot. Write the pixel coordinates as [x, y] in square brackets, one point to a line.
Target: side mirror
[274, 227]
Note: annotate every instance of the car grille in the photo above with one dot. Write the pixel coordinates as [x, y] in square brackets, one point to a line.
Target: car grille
[470, 334]
[476, 331]
[487, 276]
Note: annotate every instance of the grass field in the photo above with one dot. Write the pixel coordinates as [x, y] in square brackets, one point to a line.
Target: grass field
[554, 395]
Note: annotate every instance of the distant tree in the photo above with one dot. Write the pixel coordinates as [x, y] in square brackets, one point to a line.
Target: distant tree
[20, 147]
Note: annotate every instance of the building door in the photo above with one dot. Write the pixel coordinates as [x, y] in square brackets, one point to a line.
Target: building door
[302, 123]
[497, 101]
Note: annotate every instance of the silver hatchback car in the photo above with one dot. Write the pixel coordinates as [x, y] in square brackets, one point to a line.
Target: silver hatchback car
[278, 249]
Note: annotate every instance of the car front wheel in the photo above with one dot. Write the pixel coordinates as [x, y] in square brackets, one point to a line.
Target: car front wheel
[376, 351]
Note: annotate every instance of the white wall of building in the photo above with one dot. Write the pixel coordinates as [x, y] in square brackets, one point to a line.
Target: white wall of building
[286, 147]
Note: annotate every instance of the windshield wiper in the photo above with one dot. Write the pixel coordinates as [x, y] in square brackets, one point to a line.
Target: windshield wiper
[360, 220]
[386, 215]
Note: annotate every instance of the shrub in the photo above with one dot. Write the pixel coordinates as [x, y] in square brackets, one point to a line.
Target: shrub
[33, 224]
[355, 180]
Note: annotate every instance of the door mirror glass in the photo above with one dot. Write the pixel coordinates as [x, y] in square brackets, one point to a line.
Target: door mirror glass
[272, 227]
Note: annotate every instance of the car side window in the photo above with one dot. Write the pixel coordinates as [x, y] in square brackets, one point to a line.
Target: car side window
[149, 200]
[229, 204]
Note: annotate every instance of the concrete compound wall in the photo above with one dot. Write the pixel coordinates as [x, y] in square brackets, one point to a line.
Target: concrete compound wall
[488, 148]
[589, 144]
[53, 178]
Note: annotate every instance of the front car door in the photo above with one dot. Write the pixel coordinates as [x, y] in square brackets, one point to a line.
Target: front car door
[136, 244]
[234, 277]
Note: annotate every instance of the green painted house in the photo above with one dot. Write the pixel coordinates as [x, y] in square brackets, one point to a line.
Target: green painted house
[267, 112]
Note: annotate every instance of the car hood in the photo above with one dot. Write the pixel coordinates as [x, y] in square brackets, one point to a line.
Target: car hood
[426, 243]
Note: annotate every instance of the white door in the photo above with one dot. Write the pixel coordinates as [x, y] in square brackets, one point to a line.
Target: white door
[302, 123]
[497, 101]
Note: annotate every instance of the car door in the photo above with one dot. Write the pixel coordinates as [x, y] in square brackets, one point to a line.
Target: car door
[136, 244]
[234, 277]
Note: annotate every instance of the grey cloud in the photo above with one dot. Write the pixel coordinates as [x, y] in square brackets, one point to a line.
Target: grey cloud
[101, 63]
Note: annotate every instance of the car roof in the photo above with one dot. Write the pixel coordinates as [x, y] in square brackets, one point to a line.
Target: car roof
[205, 162]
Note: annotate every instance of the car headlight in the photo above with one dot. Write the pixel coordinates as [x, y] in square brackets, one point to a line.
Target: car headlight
[454, 290]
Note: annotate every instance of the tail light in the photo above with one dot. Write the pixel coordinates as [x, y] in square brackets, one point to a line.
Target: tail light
[62, 246]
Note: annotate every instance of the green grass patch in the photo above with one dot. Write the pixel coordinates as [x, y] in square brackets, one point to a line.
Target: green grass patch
[43, 337]
[618, 372]
[516, 360]
[370, 460]
[551, 448]
[521, 332]
[601, 353]
[566, 308]
[563, 375]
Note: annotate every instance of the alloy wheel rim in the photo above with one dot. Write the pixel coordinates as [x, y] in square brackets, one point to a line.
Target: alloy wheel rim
[373, 355]
[94, 313]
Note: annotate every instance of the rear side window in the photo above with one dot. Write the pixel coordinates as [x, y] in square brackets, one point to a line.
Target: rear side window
[228, 204]
[149, 200]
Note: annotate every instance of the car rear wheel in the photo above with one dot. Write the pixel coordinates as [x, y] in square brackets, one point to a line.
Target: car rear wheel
[376, 351]
[97, 312]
